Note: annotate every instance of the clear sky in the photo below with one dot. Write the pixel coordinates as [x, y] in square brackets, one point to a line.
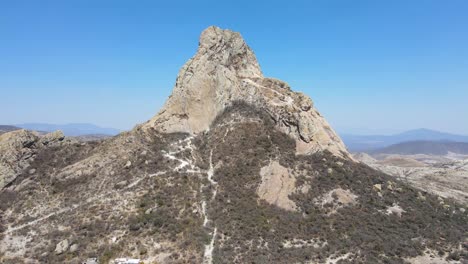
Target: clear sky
[370, 66]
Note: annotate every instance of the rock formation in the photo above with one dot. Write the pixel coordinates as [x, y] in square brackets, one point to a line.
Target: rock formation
[225, 70]
[18, 149]
[230, 189]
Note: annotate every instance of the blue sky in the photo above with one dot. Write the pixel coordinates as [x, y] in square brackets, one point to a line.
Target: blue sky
[369, 66]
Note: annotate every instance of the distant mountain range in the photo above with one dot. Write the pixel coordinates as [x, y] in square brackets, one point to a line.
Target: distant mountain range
[6, 128]
[424, 147]
[73, 129]
[363, 143]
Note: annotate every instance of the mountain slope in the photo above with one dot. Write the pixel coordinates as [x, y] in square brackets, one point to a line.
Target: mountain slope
[5, 128]
[235, 194]
[323, 207]
[236, 191]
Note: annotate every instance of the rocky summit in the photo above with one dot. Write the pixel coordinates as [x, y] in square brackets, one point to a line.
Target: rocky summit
[225, 70]
[236, 168]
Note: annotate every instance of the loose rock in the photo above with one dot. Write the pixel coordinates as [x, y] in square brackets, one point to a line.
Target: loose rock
[378, 187]
[62, 247]
[74, 248]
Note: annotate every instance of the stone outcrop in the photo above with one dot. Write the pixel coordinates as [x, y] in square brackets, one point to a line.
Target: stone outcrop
[277, 184]
[225, 70]
[62, 247]
[17, 151]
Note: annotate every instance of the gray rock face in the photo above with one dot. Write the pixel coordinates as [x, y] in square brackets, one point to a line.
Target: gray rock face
[17, 150]
[225, 70]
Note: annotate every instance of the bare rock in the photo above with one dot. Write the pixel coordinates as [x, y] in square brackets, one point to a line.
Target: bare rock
[336, 199]
[225, 70]
[52, 138]
[277, 184]
[377, 187]
[16, 148]
[74, 248]
[62, 247]
[121, 184]
[395, 209]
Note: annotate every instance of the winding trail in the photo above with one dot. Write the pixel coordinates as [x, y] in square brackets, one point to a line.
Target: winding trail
[208, 255]
[187, 164]
[75, 206]
[192, 168]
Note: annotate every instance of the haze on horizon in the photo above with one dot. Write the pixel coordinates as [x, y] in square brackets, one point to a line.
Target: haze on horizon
[370, 67]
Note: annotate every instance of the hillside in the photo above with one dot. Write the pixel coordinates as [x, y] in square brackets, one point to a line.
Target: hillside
[122, 190]
[216, 179]
[5, 128]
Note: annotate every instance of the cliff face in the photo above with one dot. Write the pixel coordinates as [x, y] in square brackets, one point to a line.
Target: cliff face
[225, 70]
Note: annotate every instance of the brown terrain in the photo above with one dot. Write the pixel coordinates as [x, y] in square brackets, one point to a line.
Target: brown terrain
[446, 176]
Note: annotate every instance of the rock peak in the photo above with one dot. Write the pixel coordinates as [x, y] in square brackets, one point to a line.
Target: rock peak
[213, 35]
[227, 48]
[225, 70]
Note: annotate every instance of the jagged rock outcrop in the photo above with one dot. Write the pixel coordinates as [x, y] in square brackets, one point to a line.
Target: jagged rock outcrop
[17, 150]
[225, 70]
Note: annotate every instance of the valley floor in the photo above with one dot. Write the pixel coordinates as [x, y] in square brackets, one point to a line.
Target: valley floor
[446, 176]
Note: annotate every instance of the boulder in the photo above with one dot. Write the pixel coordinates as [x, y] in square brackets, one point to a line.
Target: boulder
[378, 187]
[62, 247]
[52, 138]
[74, 248]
